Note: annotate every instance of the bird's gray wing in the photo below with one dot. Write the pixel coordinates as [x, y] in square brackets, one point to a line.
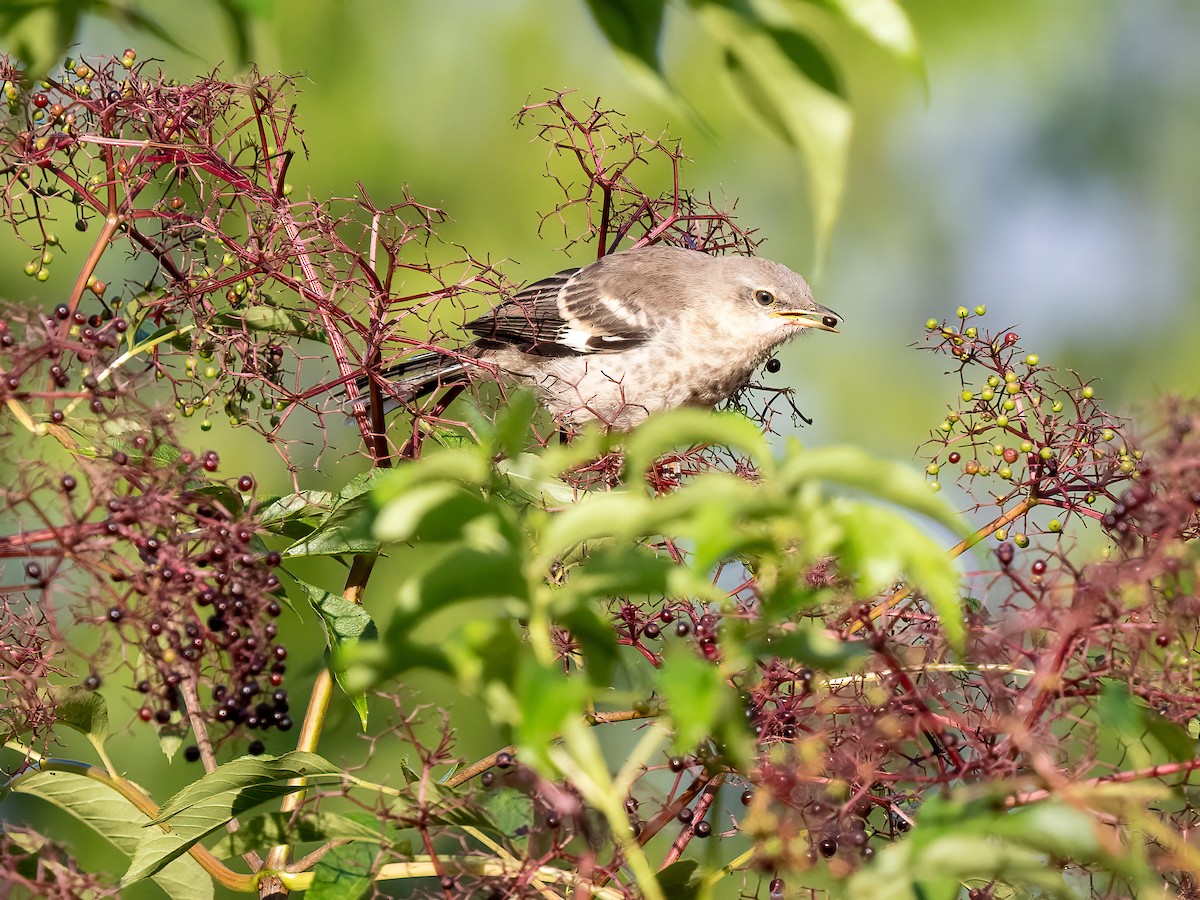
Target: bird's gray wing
[568, 314]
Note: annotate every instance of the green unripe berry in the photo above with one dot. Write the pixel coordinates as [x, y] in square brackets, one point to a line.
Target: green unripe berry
[1004, 472]
[1088, 393]
[972, 332]
[993, 381]
[1002, 534]
[1056, 406]
[43, 274]
[1009, 405]
[967, 396]
[1032, 360]
[1127, 466]
[981, 310]
[1026, 447]
[1107, 434]
[1010, 377]
[962, 312]
[1021, 540]
[31, 268]
[935, 486]
[1054, 525]
[1046, 453]
[1012, 388]
[932, 469]
[1002, 421]
[987, 395]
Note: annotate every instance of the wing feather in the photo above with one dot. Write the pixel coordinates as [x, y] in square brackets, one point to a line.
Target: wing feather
[563, 315]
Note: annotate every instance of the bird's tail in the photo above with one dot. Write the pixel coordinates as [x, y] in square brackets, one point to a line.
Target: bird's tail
[414, 378]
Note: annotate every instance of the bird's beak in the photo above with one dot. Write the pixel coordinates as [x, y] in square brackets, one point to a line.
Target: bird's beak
[819, 318]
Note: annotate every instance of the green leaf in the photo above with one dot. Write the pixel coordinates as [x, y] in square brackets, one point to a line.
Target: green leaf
[458, 574]
[633, 27]
[345, 624]
[546, 699]
[114, 818]
[275, 828]
[886, 24]
[232, 790]
[812, 120]
[855, 468]
[681, 880]
[344, 873]
[687, 427]
[811, 645]
[242, 773]
[696, 695]
[511, 433]
[85, 711]
[512, 811]
[301, 505]
[38, 34]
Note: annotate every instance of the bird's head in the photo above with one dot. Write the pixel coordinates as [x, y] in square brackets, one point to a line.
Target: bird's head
[780, 300]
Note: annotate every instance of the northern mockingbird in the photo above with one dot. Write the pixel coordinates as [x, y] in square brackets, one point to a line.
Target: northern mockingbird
[631, 334]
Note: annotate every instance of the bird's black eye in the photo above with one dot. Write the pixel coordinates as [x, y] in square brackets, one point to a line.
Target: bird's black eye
[764, 298]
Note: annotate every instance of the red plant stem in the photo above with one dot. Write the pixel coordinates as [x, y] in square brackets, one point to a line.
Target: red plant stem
[1177, 768]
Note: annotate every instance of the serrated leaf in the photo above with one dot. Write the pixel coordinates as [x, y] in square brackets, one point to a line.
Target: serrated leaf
[345, 624]
[246, 772]
[232, 790]
[114, 818]
[344, 873]
[83, 710]
[304, 504]
[284, 828]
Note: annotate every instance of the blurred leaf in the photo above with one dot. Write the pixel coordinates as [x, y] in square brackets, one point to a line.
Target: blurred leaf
[885, 23]
[686, 427]
[810, 58]
[1132, 721]
[814, 121]
[238, 14]
[274, 828]
[633, 27]
[461, 573]
[853, 467]
[546, 698]
[118, 821]
[595, 637]
[344, 873]
[511, 432]
[696, 694]
[345, 623]
[39, 32]
[880, 547]
[232, 790]
[811, 645]
[438, 512]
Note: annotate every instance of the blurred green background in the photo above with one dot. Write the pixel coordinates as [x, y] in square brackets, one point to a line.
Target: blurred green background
[1048, 169]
